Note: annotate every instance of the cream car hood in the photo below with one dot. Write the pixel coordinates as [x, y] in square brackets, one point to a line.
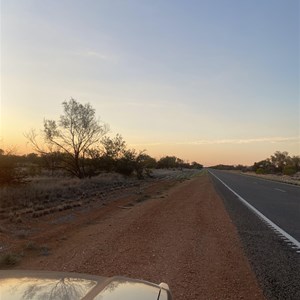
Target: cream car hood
[22, 284]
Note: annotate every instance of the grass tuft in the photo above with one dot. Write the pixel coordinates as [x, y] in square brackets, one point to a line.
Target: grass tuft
[9, 259]
[32, 246]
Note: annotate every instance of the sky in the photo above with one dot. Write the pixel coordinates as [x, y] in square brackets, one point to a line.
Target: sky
[212, 81]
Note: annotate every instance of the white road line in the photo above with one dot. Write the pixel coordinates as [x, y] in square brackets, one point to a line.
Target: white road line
[276, 228]
[280, 190]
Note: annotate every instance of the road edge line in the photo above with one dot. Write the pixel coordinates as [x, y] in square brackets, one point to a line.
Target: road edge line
[275, 227]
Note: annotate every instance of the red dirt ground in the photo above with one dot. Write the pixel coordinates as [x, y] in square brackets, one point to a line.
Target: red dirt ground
[181, 235]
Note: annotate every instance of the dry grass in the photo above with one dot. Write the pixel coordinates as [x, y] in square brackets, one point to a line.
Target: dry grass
[42, 191]
[11, 259]
[44, 195]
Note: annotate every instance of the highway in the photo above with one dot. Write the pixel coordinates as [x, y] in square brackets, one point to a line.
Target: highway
[279, 202]
[271, 245]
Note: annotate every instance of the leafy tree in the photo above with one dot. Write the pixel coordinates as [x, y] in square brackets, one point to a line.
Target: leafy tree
[112, 150]
[148, 161]
[74, 134]
[264, 166]
[167, 162]
[113, 147]
[295, 162]
[280, 160]
[143, 165]
[196, 165]
[126, 164]
[113, 155]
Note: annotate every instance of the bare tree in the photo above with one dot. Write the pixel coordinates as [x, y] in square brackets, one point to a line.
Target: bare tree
[74, 134]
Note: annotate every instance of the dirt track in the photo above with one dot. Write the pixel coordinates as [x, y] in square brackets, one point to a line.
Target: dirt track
[184, 238]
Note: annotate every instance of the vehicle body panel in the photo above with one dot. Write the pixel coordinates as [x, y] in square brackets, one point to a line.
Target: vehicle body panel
[22, 284]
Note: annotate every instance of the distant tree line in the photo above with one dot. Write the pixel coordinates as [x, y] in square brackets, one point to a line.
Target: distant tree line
[231, 167]
[278, 163]
[78, 145]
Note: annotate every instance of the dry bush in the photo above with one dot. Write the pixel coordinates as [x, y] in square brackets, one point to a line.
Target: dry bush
[9, 259]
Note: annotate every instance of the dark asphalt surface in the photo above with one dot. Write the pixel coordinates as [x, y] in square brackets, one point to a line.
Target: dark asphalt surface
[277, 201]
[275, 263]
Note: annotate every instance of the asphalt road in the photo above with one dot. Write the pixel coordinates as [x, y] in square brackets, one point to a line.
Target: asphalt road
[279, 202]
[275, 262]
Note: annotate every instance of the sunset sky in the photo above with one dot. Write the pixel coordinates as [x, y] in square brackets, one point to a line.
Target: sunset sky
[216, 81]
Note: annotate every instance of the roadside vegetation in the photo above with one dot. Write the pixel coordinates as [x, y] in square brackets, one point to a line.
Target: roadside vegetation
[280, 163]
[74, 160]
[78, 145]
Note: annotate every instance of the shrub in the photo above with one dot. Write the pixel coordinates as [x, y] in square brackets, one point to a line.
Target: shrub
[9, 171]
[125, 166]
[289, 170]
[260, 171]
